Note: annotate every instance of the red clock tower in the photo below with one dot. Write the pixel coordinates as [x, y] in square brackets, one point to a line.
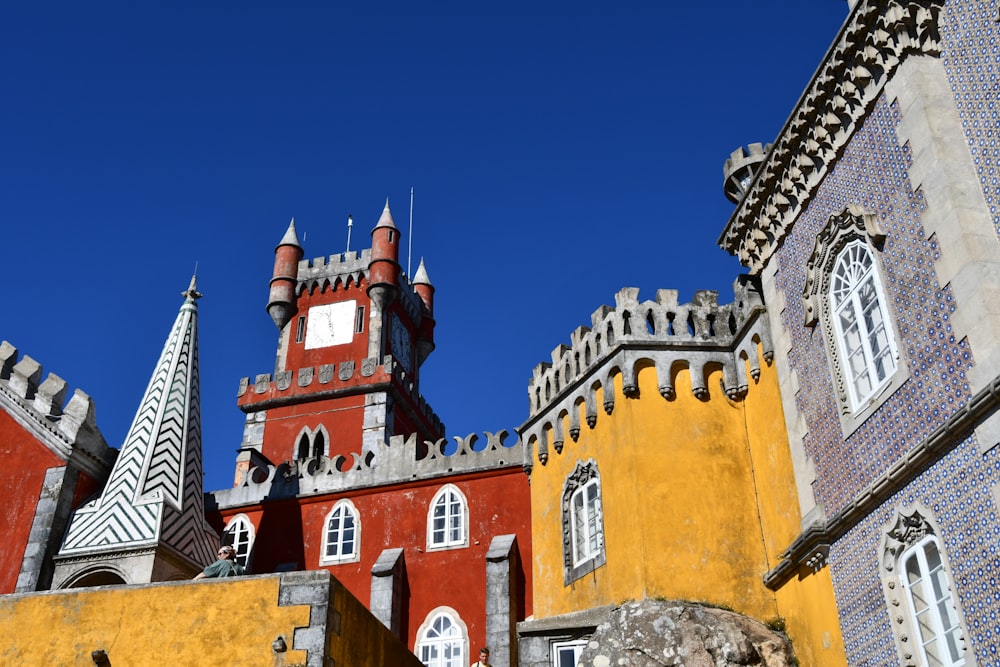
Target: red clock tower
[354, 332]
[344, 466]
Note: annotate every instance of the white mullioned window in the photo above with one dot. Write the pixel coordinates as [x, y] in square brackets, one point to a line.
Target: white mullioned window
[239, 534]
[931, 605]
[448, 519]
[582, 522]
[860, 319]
[341, 534]
[585, 507]
[442, 640]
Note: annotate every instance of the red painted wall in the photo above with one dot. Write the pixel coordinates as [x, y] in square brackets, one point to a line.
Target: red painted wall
[343, 419]
[291, 532]
[22, 453]
[356, 350]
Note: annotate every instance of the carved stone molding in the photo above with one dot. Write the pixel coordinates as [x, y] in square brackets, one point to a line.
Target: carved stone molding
[853, 223]
[877, 38]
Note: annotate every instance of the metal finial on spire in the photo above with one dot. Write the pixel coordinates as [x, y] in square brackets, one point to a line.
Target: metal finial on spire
[350, 224]
[409, 236]
[192, 293]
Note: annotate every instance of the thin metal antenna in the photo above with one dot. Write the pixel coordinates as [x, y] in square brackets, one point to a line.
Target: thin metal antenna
[350, 223]
[409, 249]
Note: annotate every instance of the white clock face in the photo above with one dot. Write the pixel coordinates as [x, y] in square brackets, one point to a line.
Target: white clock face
[401, 343]
[332, 324]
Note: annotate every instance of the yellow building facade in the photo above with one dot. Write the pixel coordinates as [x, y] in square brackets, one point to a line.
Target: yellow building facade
[660, 470]
[301, 618]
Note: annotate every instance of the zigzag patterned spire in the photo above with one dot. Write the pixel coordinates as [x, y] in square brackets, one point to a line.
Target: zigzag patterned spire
[154, 494]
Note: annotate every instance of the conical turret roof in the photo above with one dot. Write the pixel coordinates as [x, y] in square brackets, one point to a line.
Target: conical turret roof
[385, 220]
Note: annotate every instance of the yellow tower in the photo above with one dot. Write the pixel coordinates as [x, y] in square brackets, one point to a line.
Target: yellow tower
[675, 481]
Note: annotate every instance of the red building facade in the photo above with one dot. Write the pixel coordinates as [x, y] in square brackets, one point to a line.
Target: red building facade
[344, 466]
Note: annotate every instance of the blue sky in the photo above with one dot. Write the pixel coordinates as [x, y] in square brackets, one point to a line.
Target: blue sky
[558, 152]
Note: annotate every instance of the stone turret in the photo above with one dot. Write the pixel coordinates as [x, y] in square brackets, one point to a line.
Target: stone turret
[281, 303]
[383, 277]
[739, 169]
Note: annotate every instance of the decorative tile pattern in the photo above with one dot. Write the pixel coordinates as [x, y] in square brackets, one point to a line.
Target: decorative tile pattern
[872, 172]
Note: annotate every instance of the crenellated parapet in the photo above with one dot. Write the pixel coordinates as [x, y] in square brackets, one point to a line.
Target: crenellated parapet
[69, 430]
[699, 336]
[879, 35]
[327, 272]
[399, 460]
[328, 380]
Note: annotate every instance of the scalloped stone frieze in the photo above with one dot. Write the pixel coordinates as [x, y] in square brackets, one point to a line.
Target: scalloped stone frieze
[869, 49]
[402, 459]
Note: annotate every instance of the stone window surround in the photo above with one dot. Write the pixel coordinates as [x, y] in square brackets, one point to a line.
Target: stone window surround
[463, 541]
[909, 526]
[852, 225]
[343, 508]
[310, 436]
[582, 474]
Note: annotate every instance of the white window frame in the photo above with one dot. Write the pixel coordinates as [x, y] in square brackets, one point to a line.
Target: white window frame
[582, 553]
[854, 272]
[909, 535]
[430, 637]
[586, 522]
[240, 534]
[455, 515]
[342, 512]
[559, 648]
[855, 232]
[930, 622]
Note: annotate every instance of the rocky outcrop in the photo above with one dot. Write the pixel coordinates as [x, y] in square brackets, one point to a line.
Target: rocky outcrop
[683, 634]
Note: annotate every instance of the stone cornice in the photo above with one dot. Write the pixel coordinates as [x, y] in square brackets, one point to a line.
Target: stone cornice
[810, 548]
[875, 39]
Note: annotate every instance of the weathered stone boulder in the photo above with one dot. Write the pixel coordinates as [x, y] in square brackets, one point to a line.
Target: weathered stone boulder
[684, 634]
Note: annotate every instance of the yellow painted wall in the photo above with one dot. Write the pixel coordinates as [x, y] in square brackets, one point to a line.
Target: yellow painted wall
[215, 622]
[699, 501]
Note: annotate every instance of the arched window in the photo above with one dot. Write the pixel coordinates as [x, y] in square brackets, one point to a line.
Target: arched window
[859, 316]
[931, 604]
[311, 443]
[442, 639]
[583, 522]
[448, 519]
[341, 534]
[239, 534]
[844, 293]
[920, 593]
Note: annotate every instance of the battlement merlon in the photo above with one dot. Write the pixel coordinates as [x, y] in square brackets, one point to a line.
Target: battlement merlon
[70, 431]
[402, 459]
[330, 381]
[351, 264]
[325, 272]
[695, 334]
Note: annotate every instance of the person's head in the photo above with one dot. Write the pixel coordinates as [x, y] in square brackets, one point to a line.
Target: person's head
[227, 553]
[484, 654]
